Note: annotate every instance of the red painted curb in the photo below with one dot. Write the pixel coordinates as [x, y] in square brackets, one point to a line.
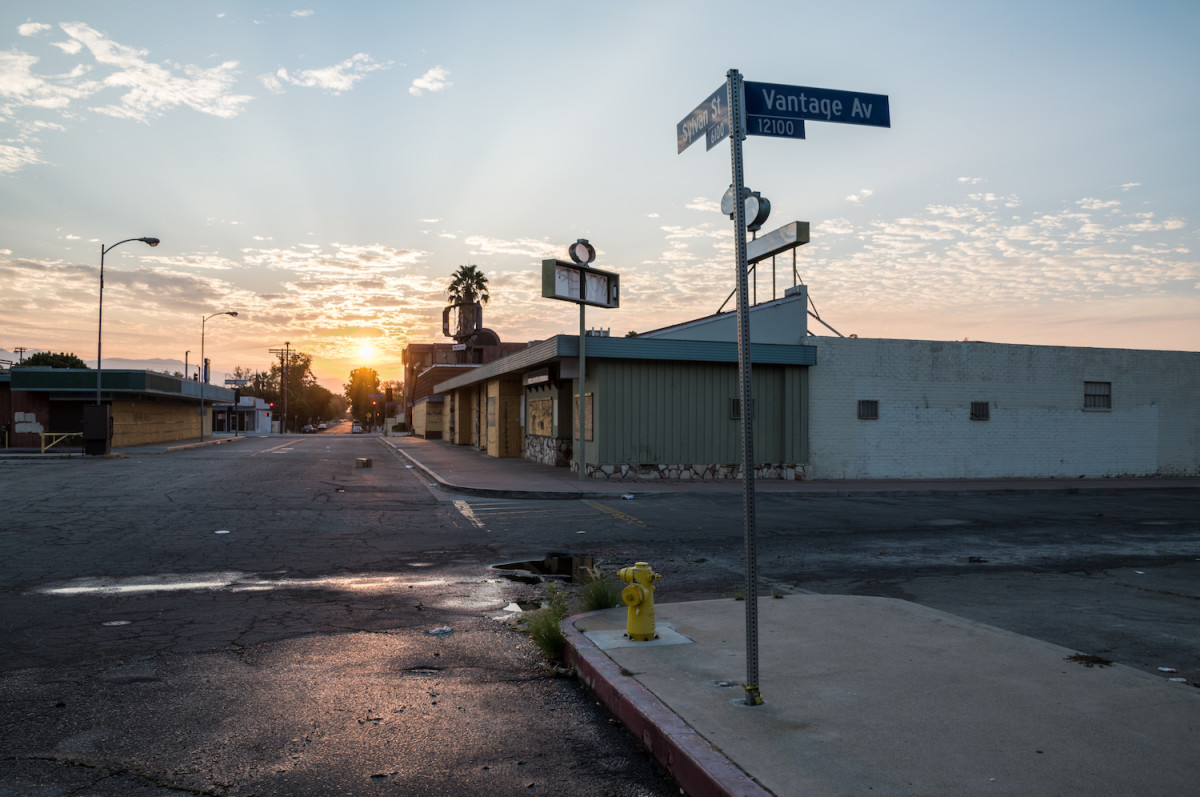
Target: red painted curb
[695, 765]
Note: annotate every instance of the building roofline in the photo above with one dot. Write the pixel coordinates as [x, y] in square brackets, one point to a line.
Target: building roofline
[662, 349]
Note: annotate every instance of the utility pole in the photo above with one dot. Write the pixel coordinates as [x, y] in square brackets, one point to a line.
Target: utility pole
[20, 351]
[285, 359]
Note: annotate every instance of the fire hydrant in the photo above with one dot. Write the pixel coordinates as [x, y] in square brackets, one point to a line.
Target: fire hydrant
[639, 597]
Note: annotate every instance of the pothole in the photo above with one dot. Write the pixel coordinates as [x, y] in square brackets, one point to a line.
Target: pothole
[554, 567]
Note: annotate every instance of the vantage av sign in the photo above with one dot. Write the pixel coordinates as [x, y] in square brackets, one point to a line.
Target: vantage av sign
[816, 105]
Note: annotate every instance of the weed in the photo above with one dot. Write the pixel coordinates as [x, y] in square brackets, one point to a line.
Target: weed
[737, 596]
[598, 591]
[543, 624]
[1088, 660]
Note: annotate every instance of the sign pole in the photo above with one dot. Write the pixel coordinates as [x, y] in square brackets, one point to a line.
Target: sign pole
[581, 415]
[737, 134]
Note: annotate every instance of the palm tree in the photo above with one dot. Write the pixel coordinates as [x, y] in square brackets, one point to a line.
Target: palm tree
[468, 286]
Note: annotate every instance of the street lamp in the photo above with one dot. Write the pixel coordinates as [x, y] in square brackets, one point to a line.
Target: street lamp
[100, 315]
[203, 373]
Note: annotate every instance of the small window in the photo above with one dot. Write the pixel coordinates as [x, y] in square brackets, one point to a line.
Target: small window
[735, 409]
[979, 410]
[1097, 395]
[868, 410]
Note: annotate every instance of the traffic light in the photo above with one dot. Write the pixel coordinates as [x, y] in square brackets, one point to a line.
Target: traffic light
[387, 397]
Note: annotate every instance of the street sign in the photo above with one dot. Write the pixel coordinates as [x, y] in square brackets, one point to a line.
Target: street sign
[817, 105]
[789, 236]
[718, 132]
[778, 126]
[708, 113]
[575, 282]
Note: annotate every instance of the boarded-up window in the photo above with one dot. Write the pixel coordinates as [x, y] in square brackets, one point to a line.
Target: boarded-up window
[587, 428]
[541, 417]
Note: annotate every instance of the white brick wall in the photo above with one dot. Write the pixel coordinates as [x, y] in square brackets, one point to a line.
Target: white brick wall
[1037, 425]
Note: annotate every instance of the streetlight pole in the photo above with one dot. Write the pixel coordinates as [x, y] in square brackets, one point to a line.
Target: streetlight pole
[100, 314]
[203, 373]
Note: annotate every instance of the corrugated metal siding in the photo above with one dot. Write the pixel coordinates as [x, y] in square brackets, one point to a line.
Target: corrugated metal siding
[679, 413]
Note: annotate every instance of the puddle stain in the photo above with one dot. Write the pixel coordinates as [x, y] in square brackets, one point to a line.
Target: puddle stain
[236, 582]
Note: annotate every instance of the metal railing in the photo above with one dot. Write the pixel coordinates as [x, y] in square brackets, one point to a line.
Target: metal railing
[56, 438]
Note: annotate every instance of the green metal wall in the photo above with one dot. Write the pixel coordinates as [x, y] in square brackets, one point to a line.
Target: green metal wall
[664, 413]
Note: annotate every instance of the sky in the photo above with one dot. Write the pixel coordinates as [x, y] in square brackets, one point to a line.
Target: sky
[322, 169]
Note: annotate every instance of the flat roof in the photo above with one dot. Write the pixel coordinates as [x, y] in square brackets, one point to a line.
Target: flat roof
[663, 349]
[82, 381]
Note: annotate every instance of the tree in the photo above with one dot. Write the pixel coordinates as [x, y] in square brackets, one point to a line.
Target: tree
[468, 286]
[58, 360]
[363, 382]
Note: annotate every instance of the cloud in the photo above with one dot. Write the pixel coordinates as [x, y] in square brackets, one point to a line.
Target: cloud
[860, 196]
[151, 89]
[435, 79]
[305, 13]
[14, 158]
[33, 28]
[703, 204]
[970, 180]
[335, 79]
[521, 247]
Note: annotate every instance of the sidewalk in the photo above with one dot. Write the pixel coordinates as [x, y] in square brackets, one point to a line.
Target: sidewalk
[862, 695]
[458, 469]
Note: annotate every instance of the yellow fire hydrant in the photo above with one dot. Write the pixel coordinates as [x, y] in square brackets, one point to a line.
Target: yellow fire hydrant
[639, 597]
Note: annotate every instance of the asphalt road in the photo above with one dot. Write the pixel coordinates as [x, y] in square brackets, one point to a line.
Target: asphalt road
[262, 617]
[255, 617]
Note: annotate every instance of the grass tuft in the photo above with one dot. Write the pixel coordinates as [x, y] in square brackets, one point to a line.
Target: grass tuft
[598, 591]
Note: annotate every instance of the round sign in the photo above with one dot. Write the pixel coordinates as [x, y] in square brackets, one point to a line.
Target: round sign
[582, 252]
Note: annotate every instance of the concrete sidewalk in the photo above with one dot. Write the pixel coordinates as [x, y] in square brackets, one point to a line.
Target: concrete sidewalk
[460, 469]
[884, 697]
[863, 695]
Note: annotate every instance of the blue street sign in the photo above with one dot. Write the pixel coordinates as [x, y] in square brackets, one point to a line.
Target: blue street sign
[717, 133]
[695, 125]
[817, 105]
[778, 126]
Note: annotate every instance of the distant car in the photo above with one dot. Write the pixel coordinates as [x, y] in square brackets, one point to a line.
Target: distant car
[321, 427]
[356, 429]
[308, 429]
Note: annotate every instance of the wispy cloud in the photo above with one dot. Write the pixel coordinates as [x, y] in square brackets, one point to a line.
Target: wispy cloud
[335, 79]
[33, 28]
[149, 89]
[522, 247]
[860, 196]
[704, 204]
[436, 79]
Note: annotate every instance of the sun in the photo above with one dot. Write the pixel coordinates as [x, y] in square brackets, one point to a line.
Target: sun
[366, 352]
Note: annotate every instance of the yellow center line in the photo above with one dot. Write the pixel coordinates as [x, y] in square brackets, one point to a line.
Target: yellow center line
[618, 514]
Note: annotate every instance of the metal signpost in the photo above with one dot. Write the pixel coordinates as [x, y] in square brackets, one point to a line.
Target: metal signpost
[735, 110]
[578, 282]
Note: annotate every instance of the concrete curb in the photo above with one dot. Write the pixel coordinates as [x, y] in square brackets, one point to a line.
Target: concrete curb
[200, 443]
[500, 492]
[699, 768]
